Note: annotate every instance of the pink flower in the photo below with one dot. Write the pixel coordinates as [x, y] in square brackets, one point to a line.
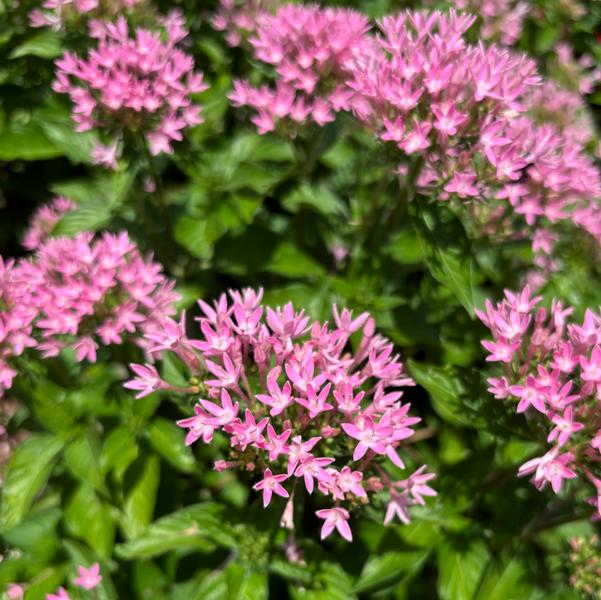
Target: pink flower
[139, 83]
[61, 594]
[270, 484]
[147, 381]
[15, 591]
[88, 578]
[564, 427]
[258, 359]
[549, 468]
[335, 518]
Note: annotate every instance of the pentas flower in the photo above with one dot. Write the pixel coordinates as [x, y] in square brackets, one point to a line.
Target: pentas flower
[552, 370]
[44, 220]
[469, 114]
[80, 293]
[310, 49]
[61, 594]
[57, 14]
[301, 406]
[134, 84]
[88, 578]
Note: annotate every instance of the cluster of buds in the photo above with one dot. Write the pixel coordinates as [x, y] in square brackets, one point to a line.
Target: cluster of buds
[78, 293]
[311, 50]
[134, 86]
[297, 403]
[552, 371]
[57, 14]
[585, 566]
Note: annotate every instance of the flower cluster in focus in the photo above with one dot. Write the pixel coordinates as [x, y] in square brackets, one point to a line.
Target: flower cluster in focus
[585, 566]
[552, 370]
[78, 293]
[134, 85]
[298, 402]
[310, 49]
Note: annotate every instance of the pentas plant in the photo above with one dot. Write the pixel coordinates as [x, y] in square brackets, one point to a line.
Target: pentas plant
[44, 220]
[79, 293]
[299, 403]
[462, 110]
[88, 579]
[133, 86]
[60, 14]
[552, 371]
[310, 49]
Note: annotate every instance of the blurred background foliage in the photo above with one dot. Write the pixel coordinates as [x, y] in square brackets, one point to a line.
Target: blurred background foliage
[316, 220]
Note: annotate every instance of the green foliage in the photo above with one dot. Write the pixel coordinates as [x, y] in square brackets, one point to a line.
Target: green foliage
[103, 477]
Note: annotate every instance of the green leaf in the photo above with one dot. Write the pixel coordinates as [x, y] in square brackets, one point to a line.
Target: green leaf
[198, 527]
[460, 568]
[169, 441]
[246, 583]
[26, 142]
[119, 451]
[289, 261]
[90, 519]
[444, 388]
[383, 570]
[44, 44]
[319, 198]
[503, 581]
[28, 469]
[205, 586]
[141, 483]
[36, 535]
[89, 217]
[446, 249]
[81, 457]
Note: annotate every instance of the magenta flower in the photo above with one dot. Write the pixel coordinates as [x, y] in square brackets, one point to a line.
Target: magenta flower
[335, 518]
[311, 50]
[270, 484]
[550, 468]
[554, 370]
[61, 594]
[89, 578]
[147, 381]
[133, 83]
[281, 379]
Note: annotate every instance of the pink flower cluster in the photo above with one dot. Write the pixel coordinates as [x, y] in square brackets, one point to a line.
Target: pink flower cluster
[462, 108]
[44, 220]
[88, 579]
[56, 13]
[552, 369]
[500, 21]
[139, 85]
[239, 19]
[297, 403]
[581, 74]
[311, 50]
[77, 293]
